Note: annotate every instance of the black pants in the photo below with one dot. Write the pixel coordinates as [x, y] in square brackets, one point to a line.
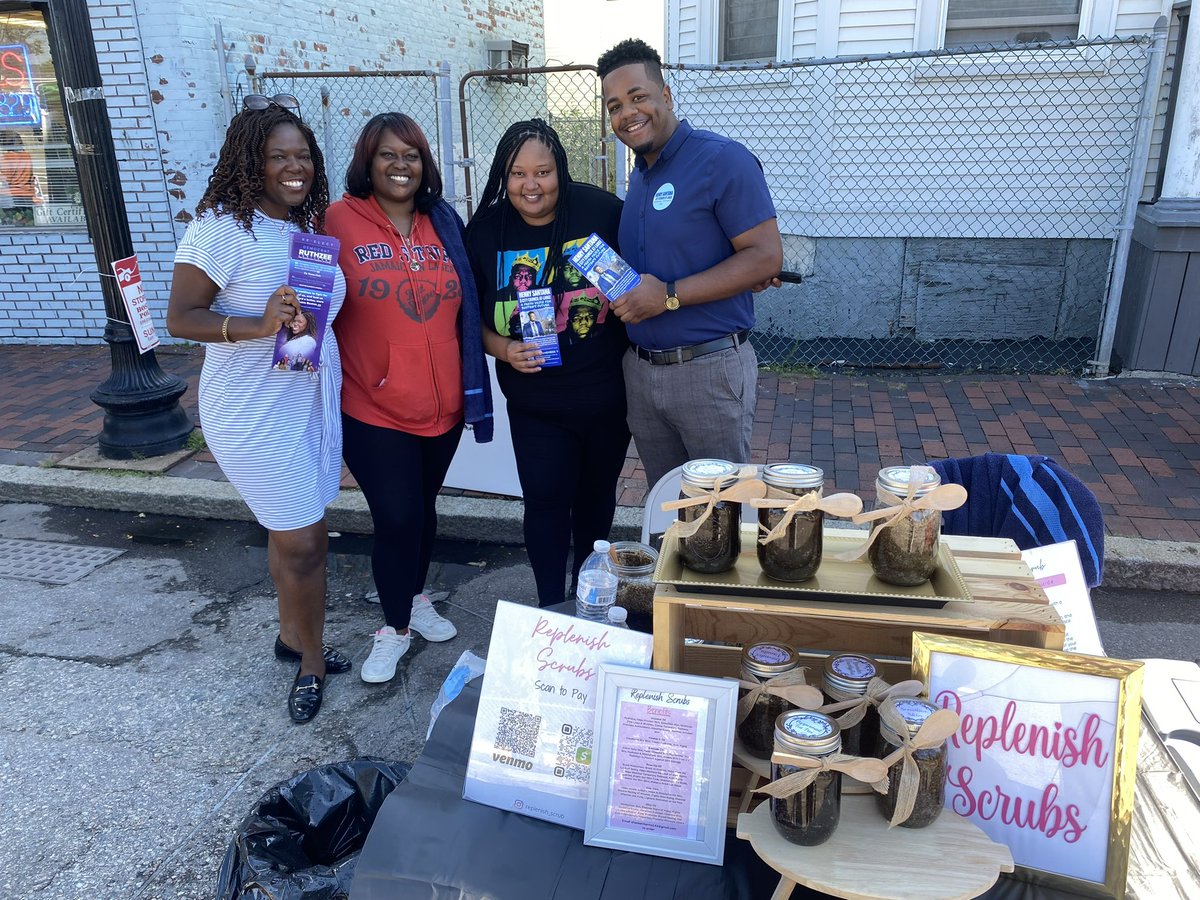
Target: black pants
[568, 464]
[400, 475]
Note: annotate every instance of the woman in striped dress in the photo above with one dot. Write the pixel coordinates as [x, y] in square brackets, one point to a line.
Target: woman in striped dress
[230, 291]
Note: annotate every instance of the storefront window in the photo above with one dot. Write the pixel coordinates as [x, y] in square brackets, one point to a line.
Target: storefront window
[38, 182]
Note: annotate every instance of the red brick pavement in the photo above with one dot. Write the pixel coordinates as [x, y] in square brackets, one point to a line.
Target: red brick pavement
[1134, 442]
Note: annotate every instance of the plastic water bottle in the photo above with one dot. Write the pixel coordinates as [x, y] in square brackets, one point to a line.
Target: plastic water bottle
[597, 589]
[617, 616]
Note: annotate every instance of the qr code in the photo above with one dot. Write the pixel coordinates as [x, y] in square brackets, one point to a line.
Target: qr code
[518, 732]
[574, 761]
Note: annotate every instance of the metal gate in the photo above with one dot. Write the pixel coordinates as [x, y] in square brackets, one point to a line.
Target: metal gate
[567, 97]
[336, 105]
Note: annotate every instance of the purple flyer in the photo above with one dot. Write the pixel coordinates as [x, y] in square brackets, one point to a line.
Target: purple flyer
[655, 788]
[312, 268]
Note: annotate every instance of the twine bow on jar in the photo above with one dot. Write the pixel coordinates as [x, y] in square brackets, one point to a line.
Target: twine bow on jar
[868, 771]
[942, 498]
[790, 686]
[935, 730]
[746, 488]
[842, 505]
[878, 690]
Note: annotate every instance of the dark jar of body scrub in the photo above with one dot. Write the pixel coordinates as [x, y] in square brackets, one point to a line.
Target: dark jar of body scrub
[796, 555]
[810, 816]
[761, 661]
[931, 765]
[846, 677]
[905, 553]
[634, 568]
[717, 545]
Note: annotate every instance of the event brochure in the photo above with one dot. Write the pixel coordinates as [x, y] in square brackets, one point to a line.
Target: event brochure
[600, 264]
[535, 309]
[1057, 571]
[312, 268]
[532, 748]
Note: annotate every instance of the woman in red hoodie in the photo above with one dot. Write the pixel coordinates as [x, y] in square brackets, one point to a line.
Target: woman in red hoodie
[413, 368]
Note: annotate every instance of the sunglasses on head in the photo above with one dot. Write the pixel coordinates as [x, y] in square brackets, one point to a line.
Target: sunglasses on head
[262, 101]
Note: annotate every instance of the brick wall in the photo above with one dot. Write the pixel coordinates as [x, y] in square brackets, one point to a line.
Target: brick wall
[161, 70]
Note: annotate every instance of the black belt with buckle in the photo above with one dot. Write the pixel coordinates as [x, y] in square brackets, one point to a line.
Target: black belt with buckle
[683, 354]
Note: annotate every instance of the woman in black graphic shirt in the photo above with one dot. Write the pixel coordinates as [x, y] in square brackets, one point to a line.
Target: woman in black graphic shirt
[568, 422]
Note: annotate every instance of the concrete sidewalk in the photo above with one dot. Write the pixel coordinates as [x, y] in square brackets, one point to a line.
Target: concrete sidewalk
[1134, 441]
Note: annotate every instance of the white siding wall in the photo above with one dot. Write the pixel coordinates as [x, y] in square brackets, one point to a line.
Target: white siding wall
[1139, 16]
[685, 43]
[160, 68]
[841, 155]
[876, 26]
[804, 30]
[917, 148]
[871, 26]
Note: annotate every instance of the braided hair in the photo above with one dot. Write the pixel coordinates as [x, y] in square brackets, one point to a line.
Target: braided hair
[236, 184]
[494, 199]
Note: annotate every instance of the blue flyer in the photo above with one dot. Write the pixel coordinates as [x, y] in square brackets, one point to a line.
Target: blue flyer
[535, 309]
[600, 264]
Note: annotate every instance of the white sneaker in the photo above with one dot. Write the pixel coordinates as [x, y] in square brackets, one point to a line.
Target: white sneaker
[427, 623]
[386, 651]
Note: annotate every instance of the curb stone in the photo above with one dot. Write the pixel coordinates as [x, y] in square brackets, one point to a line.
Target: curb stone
[1128, 562]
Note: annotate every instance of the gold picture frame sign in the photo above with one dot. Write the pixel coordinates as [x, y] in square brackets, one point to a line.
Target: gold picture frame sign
[939, 662]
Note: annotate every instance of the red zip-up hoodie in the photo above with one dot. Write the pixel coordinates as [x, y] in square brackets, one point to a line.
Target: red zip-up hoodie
[398, 331]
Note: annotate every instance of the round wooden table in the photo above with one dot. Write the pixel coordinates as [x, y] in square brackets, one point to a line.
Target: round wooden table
[952, 859]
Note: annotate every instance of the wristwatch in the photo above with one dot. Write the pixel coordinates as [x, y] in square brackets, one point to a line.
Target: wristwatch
[672, 300]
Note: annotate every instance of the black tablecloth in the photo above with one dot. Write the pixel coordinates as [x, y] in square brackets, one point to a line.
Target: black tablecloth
[430, 844]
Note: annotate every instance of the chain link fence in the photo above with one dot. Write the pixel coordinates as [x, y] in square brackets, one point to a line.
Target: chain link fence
[948, 210]
[953, 210]
[336, 105]
[567, 97]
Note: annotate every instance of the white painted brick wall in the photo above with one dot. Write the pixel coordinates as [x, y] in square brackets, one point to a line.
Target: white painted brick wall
[161, 72]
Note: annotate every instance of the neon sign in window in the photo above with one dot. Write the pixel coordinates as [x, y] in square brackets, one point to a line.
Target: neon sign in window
[18, 102]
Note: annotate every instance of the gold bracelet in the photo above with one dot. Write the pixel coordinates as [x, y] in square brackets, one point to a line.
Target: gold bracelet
[225, 331]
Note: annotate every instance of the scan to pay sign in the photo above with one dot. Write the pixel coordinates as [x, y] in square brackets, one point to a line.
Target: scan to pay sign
[532, 748]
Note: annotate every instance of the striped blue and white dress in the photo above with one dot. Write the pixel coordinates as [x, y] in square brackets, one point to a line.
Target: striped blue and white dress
[277, 435]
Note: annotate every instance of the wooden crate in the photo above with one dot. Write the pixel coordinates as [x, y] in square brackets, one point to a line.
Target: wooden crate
[1006, 605]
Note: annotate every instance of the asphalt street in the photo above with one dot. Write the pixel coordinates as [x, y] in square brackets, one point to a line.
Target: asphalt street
[144, 712]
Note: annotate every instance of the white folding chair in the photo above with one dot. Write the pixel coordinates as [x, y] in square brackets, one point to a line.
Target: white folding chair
[655, 521]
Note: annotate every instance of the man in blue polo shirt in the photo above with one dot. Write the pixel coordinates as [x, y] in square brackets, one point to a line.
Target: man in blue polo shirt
[699, 226]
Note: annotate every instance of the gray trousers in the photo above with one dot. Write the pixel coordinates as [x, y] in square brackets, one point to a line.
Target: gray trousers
[703, 408]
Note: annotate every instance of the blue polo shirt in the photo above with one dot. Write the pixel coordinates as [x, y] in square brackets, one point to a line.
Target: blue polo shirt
[679, 217]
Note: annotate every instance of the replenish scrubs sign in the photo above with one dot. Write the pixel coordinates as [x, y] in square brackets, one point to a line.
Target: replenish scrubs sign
[532, 748]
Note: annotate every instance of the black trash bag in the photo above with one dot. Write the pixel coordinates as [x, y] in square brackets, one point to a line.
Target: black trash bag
[303, 837]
